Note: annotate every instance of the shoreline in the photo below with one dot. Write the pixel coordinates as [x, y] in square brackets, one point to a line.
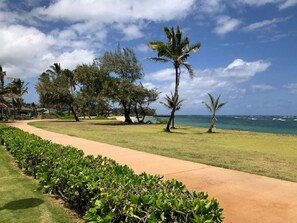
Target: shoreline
[286, 125]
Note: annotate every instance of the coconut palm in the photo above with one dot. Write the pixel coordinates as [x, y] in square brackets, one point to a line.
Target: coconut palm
[169, 103]
[176, 50]
[54, 70]
[213, 107]
[2, 74]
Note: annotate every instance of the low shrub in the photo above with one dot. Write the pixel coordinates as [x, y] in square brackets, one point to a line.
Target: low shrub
[102, 190]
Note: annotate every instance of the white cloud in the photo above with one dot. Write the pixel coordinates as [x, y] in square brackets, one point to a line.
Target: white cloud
[21, 57]
[264, 23]
[259, 2]
[167, 74]
[83, 27]
[225, 24]
[292, 87]
[131, 32]
[142, 47]
[109, 11]
[287, 4]
[241, 70]
[225, 80]
[70, 60]
[31, 51]
[149, 85]
[262, 87]
[211, 6]
[282, 4]
[95, 16]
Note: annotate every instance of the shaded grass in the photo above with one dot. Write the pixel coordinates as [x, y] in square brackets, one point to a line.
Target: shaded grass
[272, 155]
[21, 202]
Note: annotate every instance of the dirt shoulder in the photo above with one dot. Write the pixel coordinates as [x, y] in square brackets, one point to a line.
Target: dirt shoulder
[246, 198]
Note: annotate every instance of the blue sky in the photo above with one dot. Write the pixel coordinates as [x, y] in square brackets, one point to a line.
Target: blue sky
[248, 47]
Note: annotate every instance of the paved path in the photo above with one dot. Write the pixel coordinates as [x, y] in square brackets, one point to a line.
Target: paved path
[246, 198]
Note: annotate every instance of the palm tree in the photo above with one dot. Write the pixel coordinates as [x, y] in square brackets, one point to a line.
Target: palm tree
[213, 108]
[2, 74]
[169, 103]
[54, 70]
[176, 50]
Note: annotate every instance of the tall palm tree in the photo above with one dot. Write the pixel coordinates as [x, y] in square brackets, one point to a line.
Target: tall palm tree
[176, 50]
[213, 107]
[169, 103]
[2, 74]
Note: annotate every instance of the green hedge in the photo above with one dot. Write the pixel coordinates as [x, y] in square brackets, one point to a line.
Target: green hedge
[102, 190]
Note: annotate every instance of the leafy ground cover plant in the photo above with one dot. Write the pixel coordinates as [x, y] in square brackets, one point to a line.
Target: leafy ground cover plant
[102, 190]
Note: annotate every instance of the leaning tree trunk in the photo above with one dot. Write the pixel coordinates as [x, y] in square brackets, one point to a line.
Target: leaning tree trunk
[74, 113]
[175, 98]
[173, 117]
[127, 113]
[212, 124]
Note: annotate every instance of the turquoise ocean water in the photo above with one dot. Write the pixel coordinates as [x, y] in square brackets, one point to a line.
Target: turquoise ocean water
[268, 124]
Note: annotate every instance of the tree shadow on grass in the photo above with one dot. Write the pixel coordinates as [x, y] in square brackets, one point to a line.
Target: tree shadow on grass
[60, 121]
[115, 123]
[22, 204]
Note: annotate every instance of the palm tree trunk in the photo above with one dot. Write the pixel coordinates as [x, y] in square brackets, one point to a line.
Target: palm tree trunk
[172, 126]
[177, 76]
[212, 123]
[169, 122]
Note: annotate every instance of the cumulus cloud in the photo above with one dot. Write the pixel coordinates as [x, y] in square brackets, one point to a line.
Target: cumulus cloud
[241, 70]
[26, 51]
[130, 31]
[21, 49]
[264, 24]
[95, 16]
[226, 24]
[224, 80]
[109, 11]
[71, 31]
[70, 60]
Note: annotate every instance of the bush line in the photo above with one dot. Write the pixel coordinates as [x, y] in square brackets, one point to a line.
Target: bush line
[101, 190]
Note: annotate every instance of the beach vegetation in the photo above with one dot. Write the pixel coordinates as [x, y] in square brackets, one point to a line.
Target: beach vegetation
[18, 88]
[141, 100]
[92, 82]
[102, 190]
[124, 65]
[176, 50]
[97, 89]
[214, 106]
[11, 96]
[56, 88]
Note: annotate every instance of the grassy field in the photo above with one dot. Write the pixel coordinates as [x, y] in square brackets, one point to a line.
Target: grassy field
[271, 155]
[21, 202]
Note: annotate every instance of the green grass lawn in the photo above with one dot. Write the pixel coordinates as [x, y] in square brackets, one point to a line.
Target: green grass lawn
[21, 202]
[271, 155]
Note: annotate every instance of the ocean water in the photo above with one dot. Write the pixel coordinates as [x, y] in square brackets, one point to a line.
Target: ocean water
[268, 124]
